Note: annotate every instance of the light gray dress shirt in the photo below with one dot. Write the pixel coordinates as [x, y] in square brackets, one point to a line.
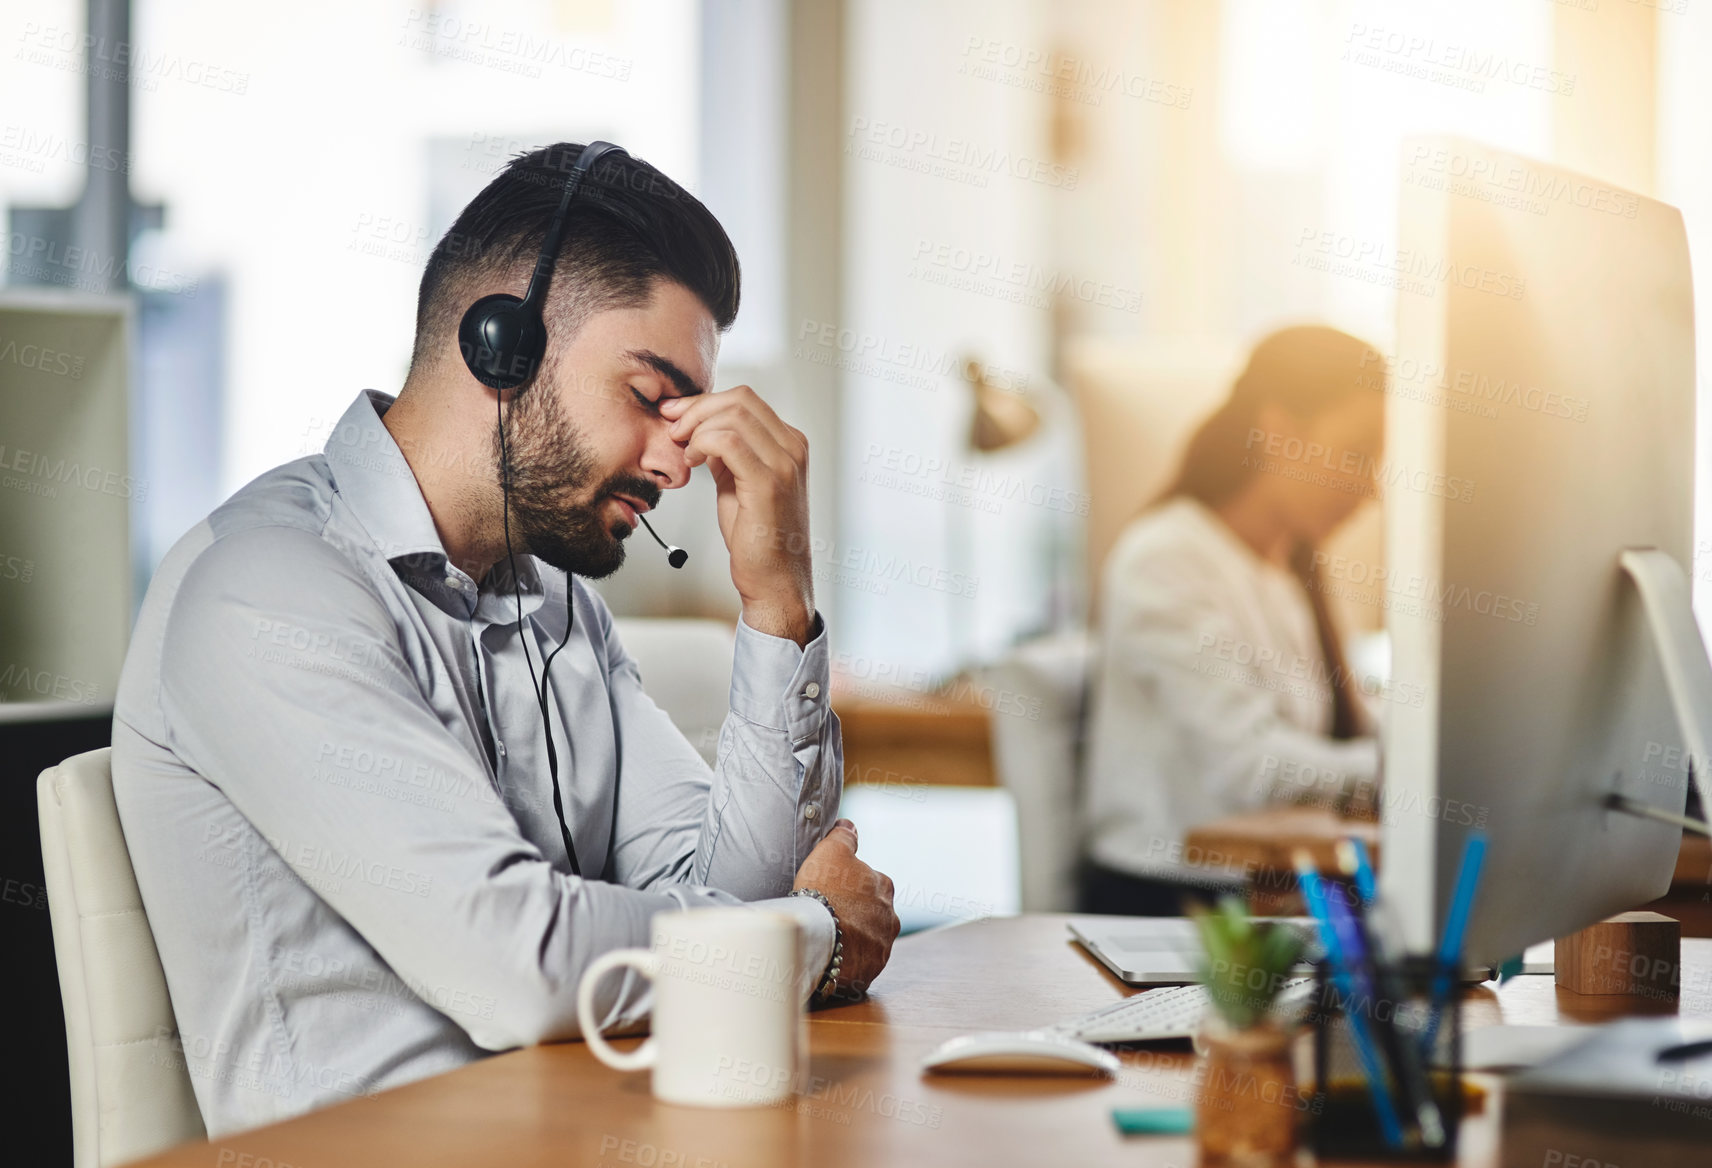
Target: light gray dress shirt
[331, 774]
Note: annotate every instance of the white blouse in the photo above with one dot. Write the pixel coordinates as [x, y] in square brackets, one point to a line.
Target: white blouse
[1212, 697]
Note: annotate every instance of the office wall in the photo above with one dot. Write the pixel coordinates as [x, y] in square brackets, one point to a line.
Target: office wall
[1207, 165]
[950, 186]
[1256, 145]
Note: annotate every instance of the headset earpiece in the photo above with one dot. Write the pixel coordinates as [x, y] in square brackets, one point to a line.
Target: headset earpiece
[502, 341]
[503, 337]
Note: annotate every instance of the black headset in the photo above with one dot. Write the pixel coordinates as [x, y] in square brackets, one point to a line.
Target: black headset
[502, 339]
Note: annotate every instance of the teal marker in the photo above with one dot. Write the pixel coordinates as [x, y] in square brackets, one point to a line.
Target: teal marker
[1154, 1121]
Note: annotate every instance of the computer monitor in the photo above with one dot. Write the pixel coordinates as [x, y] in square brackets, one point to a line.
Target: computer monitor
[1540, 422]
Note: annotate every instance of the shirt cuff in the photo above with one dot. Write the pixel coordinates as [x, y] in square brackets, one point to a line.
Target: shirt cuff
[818, 935]
[777, 685]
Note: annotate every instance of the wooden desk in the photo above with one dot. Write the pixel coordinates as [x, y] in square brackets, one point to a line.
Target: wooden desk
[866, 1102]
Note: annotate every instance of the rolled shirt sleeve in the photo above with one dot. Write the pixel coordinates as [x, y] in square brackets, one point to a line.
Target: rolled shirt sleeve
[776, 730]
[781, 728]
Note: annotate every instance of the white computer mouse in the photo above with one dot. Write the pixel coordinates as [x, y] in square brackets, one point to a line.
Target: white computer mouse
[1030, 1052]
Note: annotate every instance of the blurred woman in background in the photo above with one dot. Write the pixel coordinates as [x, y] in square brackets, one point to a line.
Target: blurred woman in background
[1223, 685]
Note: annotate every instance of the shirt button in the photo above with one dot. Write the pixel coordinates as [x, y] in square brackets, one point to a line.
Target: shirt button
[811, 812]
[502, 750]
[811, 690]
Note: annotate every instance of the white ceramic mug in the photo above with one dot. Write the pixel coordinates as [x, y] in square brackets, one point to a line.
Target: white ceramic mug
[728, 1016]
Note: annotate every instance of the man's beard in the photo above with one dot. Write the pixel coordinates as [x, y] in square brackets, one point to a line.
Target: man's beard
[554, 514]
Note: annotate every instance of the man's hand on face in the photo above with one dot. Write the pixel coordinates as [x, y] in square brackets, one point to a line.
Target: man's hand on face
[862, 900]
[760, 471]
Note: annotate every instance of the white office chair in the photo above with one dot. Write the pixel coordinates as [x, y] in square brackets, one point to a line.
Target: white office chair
[130, 1092]
[1038, 760]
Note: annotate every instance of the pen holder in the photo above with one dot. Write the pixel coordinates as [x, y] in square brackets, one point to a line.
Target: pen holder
[1344, 1121]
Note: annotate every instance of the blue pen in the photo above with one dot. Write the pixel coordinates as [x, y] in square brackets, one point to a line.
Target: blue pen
[1456, 926]
[1315, 897]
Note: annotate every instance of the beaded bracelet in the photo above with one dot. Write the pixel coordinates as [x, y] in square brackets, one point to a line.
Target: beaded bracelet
[828, 985]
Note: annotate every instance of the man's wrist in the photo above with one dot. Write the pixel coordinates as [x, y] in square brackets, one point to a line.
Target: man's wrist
[791, 622]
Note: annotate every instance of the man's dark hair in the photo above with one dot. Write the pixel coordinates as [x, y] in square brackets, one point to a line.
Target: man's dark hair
[628, 226]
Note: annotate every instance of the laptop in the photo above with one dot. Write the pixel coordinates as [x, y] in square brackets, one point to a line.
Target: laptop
[1160, 950]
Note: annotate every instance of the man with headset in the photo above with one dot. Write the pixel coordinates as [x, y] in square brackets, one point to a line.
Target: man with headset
[388, 778]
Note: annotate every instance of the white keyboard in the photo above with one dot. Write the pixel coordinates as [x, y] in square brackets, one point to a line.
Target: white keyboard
[1167, 1012]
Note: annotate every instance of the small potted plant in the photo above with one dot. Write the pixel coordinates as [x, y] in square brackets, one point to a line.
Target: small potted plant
[1247, 1104]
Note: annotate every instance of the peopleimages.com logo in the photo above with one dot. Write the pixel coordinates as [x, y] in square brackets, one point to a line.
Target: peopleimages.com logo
[46, 684]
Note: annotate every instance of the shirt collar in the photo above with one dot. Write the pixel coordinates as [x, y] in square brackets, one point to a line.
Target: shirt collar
[374, 478]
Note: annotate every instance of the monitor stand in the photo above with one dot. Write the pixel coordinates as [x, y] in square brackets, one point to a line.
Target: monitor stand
[1668, 603]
